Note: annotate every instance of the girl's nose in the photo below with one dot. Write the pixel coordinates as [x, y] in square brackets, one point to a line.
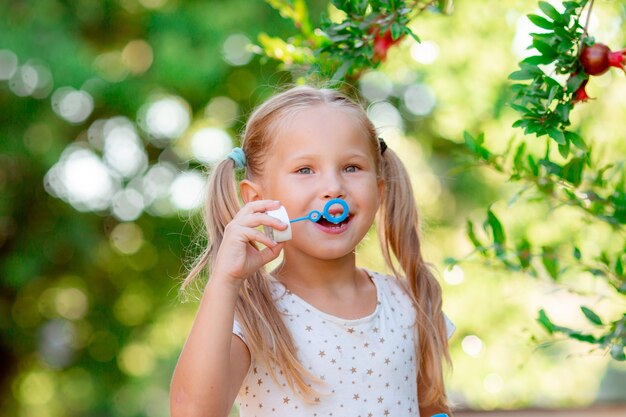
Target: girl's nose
[331, 195]
[333, 187]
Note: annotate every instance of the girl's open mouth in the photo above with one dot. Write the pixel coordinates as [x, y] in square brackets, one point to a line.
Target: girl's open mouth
[333, 228]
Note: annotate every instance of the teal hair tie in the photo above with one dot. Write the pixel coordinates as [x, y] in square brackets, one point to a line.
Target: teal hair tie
[238, 156]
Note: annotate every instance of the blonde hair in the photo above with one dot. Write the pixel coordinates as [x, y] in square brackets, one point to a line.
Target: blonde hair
[267, 337]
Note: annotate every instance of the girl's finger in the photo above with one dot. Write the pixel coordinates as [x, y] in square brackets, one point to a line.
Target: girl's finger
[262, 219]
[259, 206]
[253, 235]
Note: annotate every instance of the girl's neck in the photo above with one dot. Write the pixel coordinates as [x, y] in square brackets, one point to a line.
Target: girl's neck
[316, 274]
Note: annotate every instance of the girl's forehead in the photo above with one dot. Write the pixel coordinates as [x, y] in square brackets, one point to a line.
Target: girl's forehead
[322, 123]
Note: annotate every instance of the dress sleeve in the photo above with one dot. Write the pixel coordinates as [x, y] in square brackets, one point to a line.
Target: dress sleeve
[238, 330]
[450, 327]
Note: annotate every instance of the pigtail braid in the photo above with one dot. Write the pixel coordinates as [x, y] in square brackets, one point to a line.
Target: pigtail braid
[398, 226]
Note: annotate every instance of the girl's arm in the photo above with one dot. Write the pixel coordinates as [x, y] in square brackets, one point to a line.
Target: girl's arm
[214, 361]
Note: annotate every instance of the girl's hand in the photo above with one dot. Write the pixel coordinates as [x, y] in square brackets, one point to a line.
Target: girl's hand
[236, 257]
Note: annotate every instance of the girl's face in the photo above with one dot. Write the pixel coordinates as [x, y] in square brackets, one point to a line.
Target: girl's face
[320, 154]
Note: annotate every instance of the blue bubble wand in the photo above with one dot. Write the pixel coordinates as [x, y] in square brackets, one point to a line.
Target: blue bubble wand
[314, 216]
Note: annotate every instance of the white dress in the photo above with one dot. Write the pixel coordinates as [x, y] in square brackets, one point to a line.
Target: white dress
[368, 364]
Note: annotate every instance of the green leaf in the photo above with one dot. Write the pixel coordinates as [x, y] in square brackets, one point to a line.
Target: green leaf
[519, 108]
[534, 168]
[549, 260]
[604, 258]
[551, 167]
[469, 141]
[518, 162]
[538, 60]
[412, 34]
[554, 90]
[497, 230]
[573, 171]
[524, 253]
[368, 51]
[549, 10]
[396, 30]
[445, 6]
[352, 7]
[576, 139]
[521, 75]
[557, 135]
[531, 68]
[545, 321]
[582, 337]
[577, 254]
[547, 37]
[564, 150]
[564, 46]
[537, 128]
[542, 22]
[551, 82]
[619, 266]
[544, 48]
[342, 70]
[562, 110]
[564, 34]
[591, 315]
[575, 81]
[472, 236]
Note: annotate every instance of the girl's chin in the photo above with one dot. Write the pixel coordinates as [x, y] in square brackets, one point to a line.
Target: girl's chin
[322, 249]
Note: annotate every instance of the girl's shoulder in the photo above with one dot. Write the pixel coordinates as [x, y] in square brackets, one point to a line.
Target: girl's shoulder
[391, 287]
[397, 289]
[389, 283]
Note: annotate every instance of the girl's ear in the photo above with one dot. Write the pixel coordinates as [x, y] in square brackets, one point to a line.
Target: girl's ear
[250, 191]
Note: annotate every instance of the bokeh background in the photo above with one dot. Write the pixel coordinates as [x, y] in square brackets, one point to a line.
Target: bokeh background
[112, 114]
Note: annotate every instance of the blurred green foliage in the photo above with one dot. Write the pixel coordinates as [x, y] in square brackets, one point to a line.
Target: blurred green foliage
[89, 314]
[360, 39]
[575, 178]
[353, 36]
[545, 104]
[114, 110]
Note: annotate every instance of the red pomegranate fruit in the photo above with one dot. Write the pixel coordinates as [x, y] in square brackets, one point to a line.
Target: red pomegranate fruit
[382, 43]
[598, 58]
[580, 95]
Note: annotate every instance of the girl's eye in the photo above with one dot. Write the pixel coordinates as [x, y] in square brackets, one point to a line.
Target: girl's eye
[304, 170]
[352, 168]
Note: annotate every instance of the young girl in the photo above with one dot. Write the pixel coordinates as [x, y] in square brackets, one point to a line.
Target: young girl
[317, 336]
